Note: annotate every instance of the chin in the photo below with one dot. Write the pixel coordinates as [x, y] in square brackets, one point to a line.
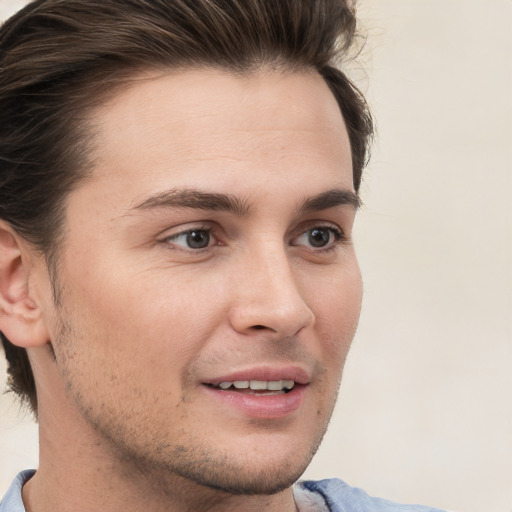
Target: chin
[248, 480]
[258, 465]
[248, 472]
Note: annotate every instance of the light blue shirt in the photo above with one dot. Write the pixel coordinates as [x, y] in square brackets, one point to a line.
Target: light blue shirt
[13, 501]
[338, 496]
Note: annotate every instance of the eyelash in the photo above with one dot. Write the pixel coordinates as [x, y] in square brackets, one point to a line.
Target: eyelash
[337, 234]
[207, 229]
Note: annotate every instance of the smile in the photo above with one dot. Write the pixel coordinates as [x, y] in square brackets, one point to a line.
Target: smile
[258, 386]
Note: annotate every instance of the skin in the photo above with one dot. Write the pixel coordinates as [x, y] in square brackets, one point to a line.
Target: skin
[144, 320]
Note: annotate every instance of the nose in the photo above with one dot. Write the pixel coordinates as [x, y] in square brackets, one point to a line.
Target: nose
[268, 298]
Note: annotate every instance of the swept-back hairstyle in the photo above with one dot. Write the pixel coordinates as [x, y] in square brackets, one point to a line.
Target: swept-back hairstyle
[59, 59]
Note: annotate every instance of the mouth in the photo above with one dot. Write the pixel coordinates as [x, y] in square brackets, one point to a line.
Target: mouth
[256, 387]
[266, 392]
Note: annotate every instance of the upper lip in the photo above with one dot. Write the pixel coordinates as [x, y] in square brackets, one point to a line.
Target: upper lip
[266, 373]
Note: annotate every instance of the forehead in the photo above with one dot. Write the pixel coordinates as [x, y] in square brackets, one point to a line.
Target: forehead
[208, 122]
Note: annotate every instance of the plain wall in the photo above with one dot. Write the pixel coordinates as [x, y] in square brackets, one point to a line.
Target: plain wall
[425, 410]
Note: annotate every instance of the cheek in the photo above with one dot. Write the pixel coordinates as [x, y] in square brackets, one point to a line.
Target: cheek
[337, 307]
[152, 327]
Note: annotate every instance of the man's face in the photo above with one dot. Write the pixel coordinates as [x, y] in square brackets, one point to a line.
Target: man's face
[211, 251]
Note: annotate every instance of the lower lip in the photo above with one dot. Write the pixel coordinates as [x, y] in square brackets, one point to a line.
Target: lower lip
[261, 406]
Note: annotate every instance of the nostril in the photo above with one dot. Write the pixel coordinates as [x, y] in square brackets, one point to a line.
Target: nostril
[260, 327]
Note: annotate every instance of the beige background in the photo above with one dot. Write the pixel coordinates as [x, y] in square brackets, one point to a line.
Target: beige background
[426, 405]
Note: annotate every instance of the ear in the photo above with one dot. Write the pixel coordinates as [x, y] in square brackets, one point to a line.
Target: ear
[21, 318]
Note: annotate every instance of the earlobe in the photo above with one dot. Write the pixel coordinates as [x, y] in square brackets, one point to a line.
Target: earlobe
[21, 318]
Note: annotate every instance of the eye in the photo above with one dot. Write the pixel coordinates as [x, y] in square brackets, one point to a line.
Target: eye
[191, 239]
[319, 237]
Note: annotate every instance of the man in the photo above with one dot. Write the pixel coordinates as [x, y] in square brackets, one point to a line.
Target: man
[179, 289]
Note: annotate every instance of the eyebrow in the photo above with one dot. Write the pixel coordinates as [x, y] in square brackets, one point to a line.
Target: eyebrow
[330, 199]
[192, 198]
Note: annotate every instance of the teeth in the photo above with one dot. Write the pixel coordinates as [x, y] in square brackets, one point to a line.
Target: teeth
[288, 384]
[259, 385]
[275, 385]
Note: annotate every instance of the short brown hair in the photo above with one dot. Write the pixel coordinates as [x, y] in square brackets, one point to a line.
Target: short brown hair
[58, 59]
